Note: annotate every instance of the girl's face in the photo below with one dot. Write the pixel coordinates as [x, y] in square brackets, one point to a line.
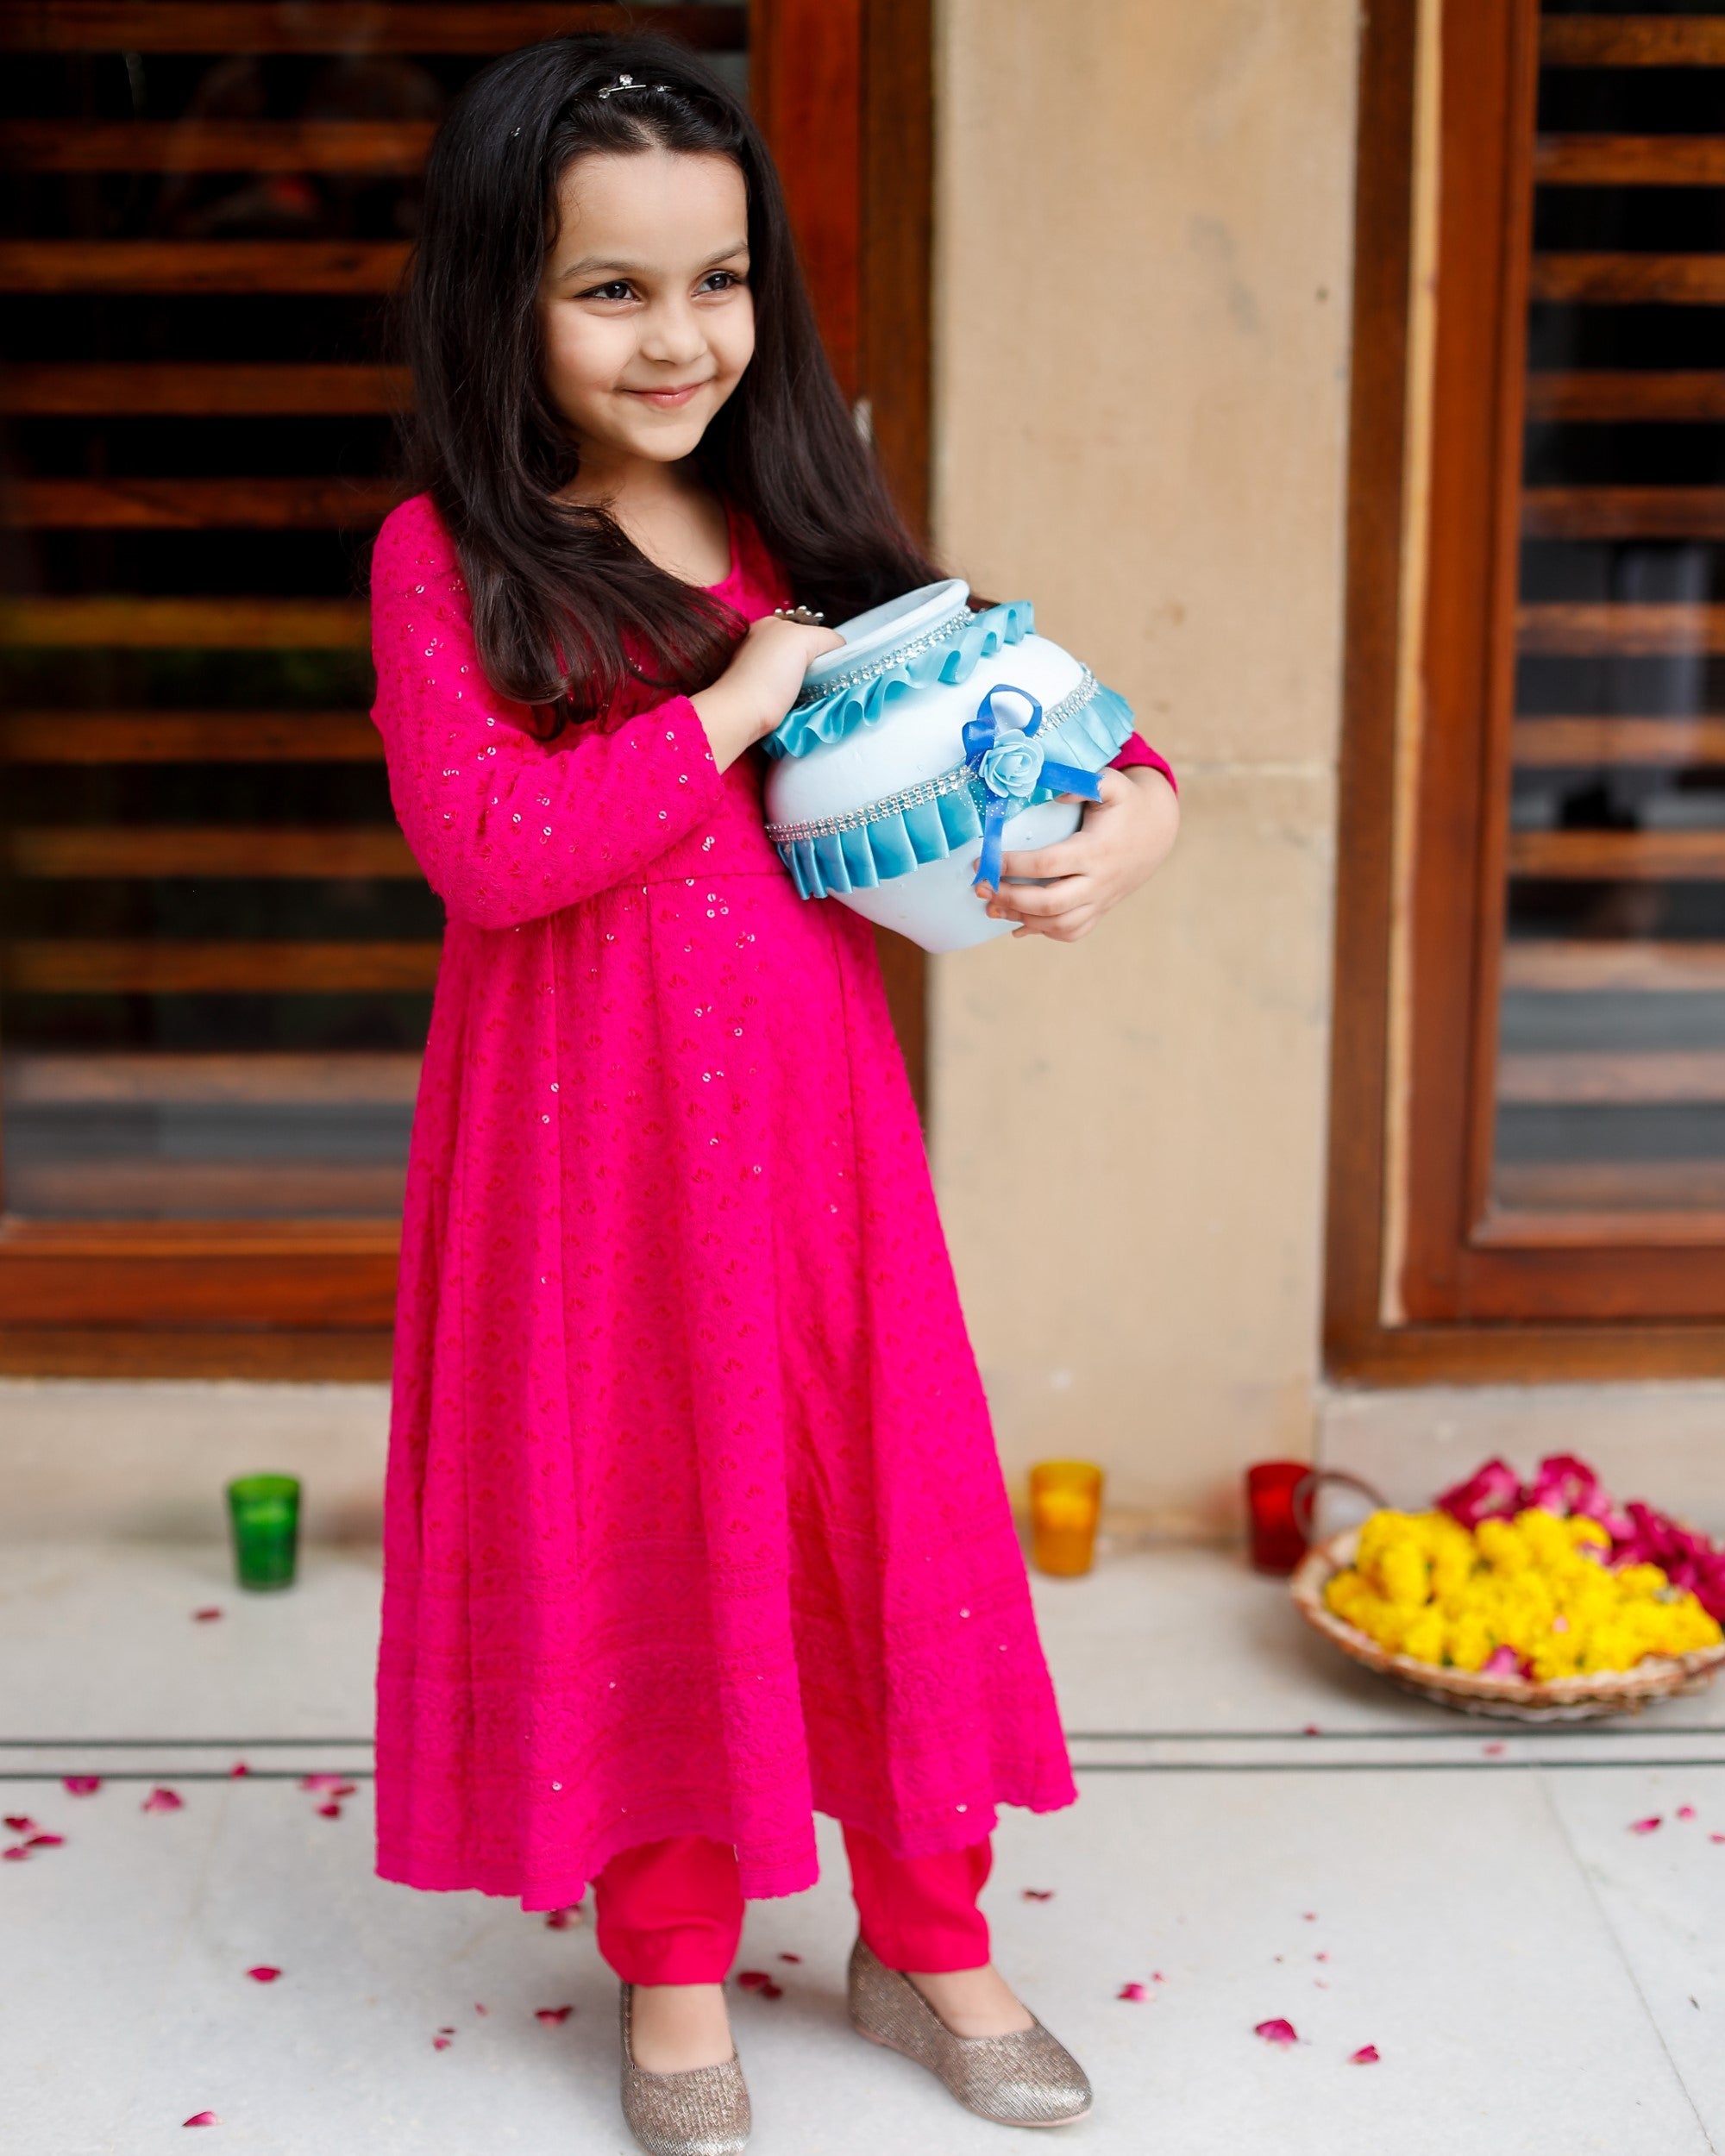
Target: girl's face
[647, 314]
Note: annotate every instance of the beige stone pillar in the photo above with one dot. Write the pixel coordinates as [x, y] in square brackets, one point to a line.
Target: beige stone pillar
[1145, 222]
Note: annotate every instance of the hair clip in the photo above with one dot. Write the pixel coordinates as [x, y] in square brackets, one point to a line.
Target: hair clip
[628, 82]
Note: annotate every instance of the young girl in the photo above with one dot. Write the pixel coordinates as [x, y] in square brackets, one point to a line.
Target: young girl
[694, 1525]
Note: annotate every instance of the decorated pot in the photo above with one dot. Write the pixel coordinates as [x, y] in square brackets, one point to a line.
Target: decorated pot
[933, 739]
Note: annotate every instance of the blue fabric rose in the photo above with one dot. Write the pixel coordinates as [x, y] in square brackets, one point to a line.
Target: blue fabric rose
[1013, 765]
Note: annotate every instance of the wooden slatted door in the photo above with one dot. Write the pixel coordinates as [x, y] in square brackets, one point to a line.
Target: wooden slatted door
[1567, 1142]
[217, 953]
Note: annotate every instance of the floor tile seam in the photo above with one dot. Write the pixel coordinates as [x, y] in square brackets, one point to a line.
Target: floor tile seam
[1591, 1889]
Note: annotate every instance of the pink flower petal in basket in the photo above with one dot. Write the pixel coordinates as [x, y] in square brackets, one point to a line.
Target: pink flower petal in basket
[1365, 2056]
[202, 2118]
[1276, 2032]
[161, 1800]
[1644, 1826]
[1501, 1661]
[1495, 1490]
[80, 1785]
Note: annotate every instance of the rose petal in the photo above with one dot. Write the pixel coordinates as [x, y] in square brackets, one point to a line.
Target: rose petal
[1311, 1730]
[1038, 1893]
[1716, 1837]
[1321, 1956]
[1132, 1991]
[1685, 1811]
[331, 1810]
[1310, 1915]
[1365, 2056]
[238, 1767]
[202, 2118]
[1495, 1751]
[263, 1973]
[1644, 1826]
[1276, 2032]
[161, 1800]
[21, 1822]
[441, 2043]
[553, 2015]
[1495, 1490]
[46, 1841]
[1157, 1976]
[17, 1853]
[446, 2030]
[771, 1990]
[80, 1785]
[478, 2009]
[753, 1979]
[322, 1781]
[203, 1616]
[560, 1919]
[790, 1957]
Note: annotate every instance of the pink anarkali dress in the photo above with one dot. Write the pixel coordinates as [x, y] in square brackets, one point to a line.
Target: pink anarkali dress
[694, 1521]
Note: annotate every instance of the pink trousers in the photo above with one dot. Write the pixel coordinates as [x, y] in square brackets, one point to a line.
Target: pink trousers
[671, 1912]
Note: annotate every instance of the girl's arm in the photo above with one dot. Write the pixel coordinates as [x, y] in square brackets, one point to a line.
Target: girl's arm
[1124, 839]
[508, 828]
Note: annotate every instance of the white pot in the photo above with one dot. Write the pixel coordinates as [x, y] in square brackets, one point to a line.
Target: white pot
[917, 737]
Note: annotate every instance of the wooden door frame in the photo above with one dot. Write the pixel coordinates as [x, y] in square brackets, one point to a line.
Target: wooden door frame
[1464, 632]
[314, 1301]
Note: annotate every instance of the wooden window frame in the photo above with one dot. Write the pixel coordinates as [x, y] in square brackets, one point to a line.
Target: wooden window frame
[1477, 1296]
[843, 89]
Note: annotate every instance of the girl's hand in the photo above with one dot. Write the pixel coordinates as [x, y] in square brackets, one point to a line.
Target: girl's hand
[1124, 839]
[759, 685]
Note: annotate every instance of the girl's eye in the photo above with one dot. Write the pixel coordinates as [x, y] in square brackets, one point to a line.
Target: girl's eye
[721, 281]
[619, 288]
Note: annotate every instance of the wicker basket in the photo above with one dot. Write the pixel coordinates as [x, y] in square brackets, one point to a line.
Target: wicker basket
[1569, 1699]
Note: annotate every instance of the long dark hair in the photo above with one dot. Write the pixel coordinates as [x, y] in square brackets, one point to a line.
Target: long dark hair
[566, 608]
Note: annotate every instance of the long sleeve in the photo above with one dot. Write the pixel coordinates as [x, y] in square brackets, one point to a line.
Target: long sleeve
[506, 828]
[1137, 751]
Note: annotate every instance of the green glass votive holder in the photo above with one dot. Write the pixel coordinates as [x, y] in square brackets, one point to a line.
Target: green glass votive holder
[263, 1511]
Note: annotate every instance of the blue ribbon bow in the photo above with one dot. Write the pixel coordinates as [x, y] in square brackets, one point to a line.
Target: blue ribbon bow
[1011, 764]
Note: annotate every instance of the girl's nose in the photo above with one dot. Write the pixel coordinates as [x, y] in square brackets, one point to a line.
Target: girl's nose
[673, 335]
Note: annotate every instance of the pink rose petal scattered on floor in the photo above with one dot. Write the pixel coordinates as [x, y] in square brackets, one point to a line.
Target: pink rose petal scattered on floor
[1644, 1826]
[1716, 1837]
[441, 2043]
[771, 1990]
[1365, 2056]
[17, 1853]
[263, 1973]
[1494, 1751]
[1276, 2032]
[238, 1767]
[753, 1979]
[560, 1919]
[446, 2030]
[1310, 1915]
[21, 1822]
[478, 2009]
[555, 2016]
[1321, 1985]
[1321, 1956]
[1685, 1811]
[46, 1841]
[161, 1800]
[80, 1785]
[203, 1616]
[1311, 1730]
[325, 1782]
[331, 1810]
[1038, 1893]
[790, 1957]
[1133, 1991]
[202, 2118]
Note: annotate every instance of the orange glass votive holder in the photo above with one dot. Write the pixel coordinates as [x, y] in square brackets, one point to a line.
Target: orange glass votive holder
[1065, 1504]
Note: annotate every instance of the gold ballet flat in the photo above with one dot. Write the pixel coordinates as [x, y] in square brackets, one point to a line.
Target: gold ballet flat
[704, 2112]
[1027, 2078]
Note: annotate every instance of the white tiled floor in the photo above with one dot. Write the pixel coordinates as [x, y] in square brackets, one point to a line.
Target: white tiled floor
[1537, 1978]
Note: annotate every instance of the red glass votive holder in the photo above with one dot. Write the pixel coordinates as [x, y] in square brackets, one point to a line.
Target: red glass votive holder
[1277, 1529]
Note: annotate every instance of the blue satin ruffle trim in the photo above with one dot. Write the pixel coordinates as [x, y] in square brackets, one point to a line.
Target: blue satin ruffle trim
[831, 717]
[874, 853]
